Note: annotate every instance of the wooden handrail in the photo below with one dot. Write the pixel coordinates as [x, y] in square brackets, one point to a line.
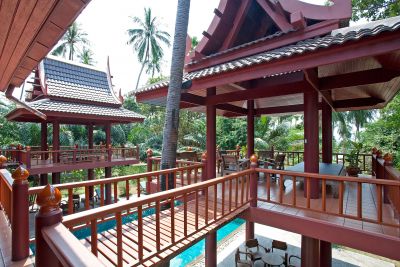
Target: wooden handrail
[89, 215]
[68, 249]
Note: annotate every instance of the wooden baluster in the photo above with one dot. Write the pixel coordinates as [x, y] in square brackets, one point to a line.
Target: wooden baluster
[223, 198]
[158, 183]
[138, 187]
[172, 203]
[359, 200]
[379, 202]
[247, 187]
[308, 191]
[196, 218]
[268, 187]
[280, 188]
[115, 192]
[158, 242]
[167, 181]
[185, 214]
[206, 206]
[70, 201]
[195, 175]
[341, 194]
[140, 232]
[215, 201]
[242, 191]
[323, 195]
[230, 196]
[182, 179]
[127, 189]
[118, 218]
[189, 175]
[87, 203]
[236, 192]
[294, 191]
[93, 236]
[101, 194]
[364, 169]
[337, 158]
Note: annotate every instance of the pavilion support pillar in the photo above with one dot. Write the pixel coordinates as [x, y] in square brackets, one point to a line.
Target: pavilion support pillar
[108, 169]
[325, 249]
[90, 146]
[326, 132]
[211, 116]
[211, 249]
[250, 128]
[43, 147]
[310, 256]
[311, 142]
[56, 176]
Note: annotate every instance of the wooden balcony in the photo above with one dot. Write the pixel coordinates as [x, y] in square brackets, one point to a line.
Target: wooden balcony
[70, 158]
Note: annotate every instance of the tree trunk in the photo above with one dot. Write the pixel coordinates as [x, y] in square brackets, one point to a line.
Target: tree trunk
[170, 134]
[140, 74]
[146, 60]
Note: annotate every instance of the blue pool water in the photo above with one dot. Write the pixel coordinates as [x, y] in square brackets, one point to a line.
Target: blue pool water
[182, 259]
[197, 249]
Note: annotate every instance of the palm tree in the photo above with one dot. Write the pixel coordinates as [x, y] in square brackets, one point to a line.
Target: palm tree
[147, 39]
[170, 134]
[72, 39]
[153, 67]
[86, 56]
[360, 118]
[340, 121]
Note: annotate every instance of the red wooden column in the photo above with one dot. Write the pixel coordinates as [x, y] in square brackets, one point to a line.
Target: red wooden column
[326, 132]
[108, 169]
[90, 146]
[56, 176]
[43, 147]
[211, 238]
[250, 128]
[310, 247]
[326, 125]
[253, 195]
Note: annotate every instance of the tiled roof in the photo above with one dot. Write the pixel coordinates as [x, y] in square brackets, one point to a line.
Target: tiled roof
[337, 37]
[78, 108]
[75, 81]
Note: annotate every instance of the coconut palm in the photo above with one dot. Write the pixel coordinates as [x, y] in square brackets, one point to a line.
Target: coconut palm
[170, 134]
[71, 41]
[147, 40]
[86, 56]
[360, 118]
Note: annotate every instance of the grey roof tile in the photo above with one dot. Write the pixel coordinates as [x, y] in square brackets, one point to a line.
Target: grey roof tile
[336, 37]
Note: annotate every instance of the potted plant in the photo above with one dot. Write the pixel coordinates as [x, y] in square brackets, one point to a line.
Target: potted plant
[353, 160]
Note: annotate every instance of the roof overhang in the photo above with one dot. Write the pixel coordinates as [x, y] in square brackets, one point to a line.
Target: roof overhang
[28, 32]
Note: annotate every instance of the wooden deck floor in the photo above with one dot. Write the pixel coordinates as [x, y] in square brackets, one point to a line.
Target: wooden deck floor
[107, 241]
[369, 207]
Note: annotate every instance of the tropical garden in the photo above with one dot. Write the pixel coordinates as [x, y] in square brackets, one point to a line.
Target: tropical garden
[380, 128]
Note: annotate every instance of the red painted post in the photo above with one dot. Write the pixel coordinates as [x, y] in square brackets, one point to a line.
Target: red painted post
[149, 153]
[311, 144]
[204, 169]
[74, 153]
[90, 147]
[56, 151]
[211, 114]
[49, 214]
[108, 170]
[326, 132]
[325, 253]
[250, 128]
[20, 215]
[310, 252]
[28, 157]
[211, 249]
[388, 162]
[253, 195]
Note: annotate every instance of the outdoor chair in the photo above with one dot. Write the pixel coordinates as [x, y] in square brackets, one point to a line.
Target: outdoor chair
[290, 261]
[265, 155]
[32, 203]
[77, 201]
[243, 262]
[276, 164]
[255, 249]
[187, 155]
[231, 164]
[282, 246]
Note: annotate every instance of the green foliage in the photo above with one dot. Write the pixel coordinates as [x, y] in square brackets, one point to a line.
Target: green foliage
[375, 9]
[352, 158]
[71, 42]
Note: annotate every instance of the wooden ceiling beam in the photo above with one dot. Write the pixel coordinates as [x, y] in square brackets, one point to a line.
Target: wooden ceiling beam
[311, 76]
[357, 78]
[277, 18]
[357, 102]
[190, 100]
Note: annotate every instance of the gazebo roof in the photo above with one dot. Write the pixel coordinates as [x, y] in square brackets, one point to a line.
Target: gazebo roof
[71, 92]
[351, 67]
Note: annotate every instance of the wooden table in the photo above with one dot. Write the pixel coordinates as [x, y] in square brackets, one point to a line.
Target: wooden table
[272, 259]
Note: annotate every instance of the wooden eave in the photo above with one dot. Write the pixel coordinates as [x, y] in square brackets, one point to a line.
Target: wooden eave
[28, 32]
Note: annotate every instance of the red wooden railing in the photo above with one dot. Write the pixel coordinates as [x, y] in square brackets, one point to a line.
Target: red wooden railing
[6, 193]
[154, 163]
[294, 157]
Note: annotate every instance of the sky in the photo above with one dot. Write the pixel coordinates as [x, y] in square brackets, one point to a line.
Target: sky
[106, 24]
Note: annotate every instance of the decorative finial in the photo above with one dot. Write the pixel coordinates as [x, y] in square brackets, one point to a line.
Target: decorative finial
[254, 158]
[204, 156]
[3, 160]
[49, 199]
[20, 175]
[149, 152]
[374, 150]
[28, 148]
[388, 158]
[189, 148]
[237, 147]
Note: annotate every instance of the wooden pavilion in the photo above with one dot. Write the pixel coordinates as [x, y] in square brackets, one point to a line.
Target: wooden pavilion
[66, 92]
[278, 57]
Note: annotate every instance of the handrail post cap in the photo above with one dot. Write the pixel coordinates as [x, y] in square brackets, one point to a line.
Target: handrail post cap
[237, 147]
[49, 199]
[254, 159]
[204, 156]
[149, 152]
[28, 148]
[3, 159]
[20, 175]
